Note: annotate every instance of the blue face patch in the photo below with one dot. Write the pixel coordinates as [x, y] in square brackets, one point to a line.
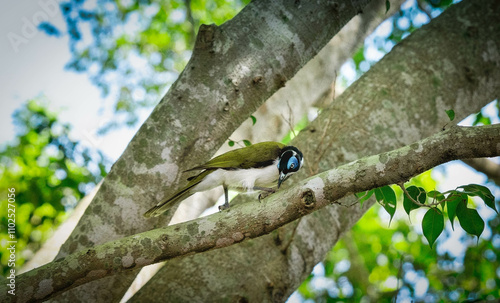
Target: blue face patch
[293, 163]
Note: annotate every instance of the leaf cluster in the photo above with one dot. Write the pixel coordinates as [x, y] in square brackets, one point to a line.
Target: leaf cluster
[455, 201]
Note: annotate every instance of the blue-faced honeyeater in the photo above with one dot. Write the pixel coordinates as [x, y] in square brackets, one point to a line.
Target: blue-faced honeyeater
[255, 167]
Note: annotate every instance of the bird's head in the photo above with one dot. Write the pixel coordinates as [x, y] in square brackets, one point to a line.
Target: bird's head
[289, 162]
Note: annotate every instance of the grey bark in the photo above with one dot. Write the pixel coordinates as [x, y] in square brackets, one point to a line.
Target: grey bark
[252, 220]
[233, 70]
[313, 85]
[452, 63]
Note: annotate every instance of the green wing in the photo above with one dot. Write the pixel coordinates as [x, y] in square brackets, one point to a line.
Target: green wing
[180, 195]
[256, 155]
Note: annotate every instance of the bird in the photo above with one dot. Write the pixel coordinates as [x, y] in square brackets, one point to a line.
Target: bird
[255, 167]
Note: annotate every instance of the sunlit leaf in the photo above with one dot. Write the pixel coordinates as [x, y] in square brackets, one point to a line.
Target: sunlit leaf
[432, 225]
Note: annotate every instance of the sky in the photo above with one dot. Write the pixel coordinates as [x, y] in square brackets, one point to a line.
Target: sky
[33, 64]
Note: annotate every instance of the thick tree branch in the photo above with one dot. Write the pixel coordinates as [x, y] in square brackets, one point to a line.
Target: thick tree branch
[252, 220]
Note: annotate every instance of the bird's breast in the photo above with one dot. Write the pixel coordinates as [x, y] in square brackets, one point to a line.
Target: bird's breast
[246, 179]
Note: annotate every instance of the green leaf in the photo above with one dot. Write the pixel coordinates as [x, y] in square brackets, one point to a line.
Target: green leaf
[363, 196]
[387, 198]
[434, 194]
[482, 192]
[387, 6]
[254, 120]
[470, 220]
[230, 143]
[416, 193]
[451, 114]
[432, 225]
[481, 119]
[452, 202]
[247, 143]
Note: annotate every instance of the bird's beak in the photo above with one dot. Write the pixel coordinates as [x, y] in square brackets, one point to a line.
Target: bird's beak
[281, 179]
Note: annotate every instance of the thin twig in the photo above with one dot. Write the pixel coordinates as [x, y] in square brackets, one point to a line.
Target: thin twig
[430, 205]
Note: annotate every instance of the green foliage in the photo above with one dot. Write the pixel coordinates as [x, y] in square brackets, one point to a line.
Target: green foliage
[377, 264]
[414, 194]
[363, 196]
[245, 142]
[433, 221]
[453, 201]
[254, 120]
[451, 114]
[482, 118]
[387, 198]
[137, 48]
[49, 174]
[432, 225]
[480, 191]
[470, 220]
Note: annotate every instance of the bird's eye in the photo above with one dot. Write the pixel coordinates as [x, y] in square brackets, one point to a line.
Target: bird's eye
[292, 163]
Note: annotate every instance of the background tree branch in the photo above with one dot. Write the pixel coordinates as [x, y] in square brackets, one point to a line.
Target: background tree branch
[251, 220]
[487, 167]
[399, 100]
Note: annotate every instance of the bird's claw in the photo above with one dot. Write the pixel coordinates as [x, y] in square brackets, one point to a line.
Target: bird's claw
[223, 207]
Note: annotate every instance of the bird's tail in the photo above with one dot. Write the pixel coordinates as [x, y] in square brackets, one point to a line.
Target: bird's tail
[182, 194]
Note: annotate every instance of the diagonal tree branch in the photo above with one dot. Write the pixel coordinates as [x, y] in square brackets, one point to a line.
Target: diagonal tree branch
[251, 220]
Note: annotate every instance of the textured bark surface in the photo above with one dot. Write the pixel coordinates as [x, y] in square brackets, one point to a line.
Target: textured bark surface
[312, 85]
[233, 70]
[251, 220]
[451, 63]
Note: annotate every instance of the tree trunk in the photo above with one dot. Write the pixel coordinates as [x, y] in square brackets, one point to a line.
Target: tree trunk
[452, 63]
